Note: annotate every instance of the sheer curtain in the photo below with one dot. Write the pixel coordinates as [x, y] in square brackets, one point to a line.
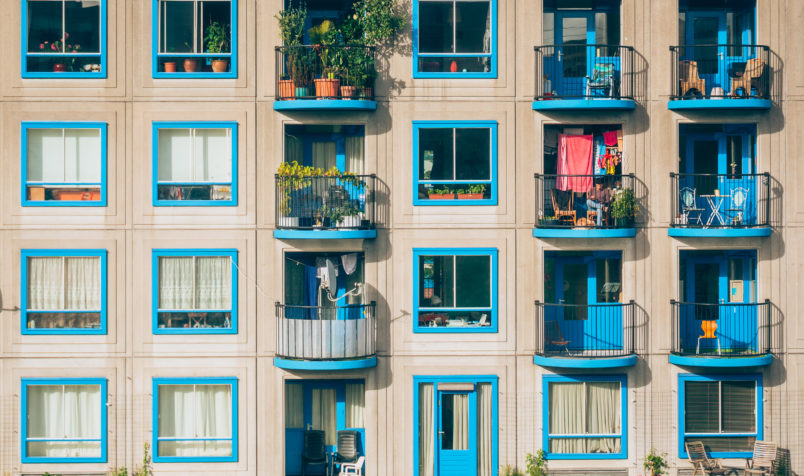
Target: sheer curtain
[45, 290]
[325, 414]
[83, 283]
[484, 429]
[580, 408]
[52, 287]
[194, 155]
[355, 405]
[193, 413]
[426, 430]
[294, 149]
[294, 406]
[603, 416]
[354, 155]
[176, 282]
[460, 421]
[324, 155]
[566, 416]
[57, 412]
[213, 282]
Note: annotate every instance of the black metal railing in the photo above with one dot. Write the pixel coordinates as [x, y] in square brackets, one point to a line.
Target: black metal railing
[566, 201]
[720, 200]
[585, 330]
[326, 202]
[724, 329]
[574, 71]
[325, 333]
[325, 72]
[720, 71]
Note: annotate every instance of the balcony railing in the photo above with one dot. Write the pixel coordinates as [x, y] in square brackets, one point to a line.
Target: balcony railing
[325, 333]
[585, 72]
[344, 202]
[720, 200]
[562, 201]
[325, 72]
[585, 330]
[720, 72]
[724, 329]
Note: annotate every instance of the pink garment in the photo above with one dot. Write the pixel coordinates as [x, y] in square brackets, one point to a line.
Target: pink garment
[574, 158]
[610, 138]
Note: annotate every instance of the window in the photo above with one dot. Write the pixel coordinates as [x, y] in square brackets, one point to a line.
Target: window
[585, 416]
[725, 412]
[63, 420]
[64, 291]
[195, 164]
[455, 38]
[455, 290]
[63, 39]
[455, 163]
[195, 419]
[63, 164]
[455, 422]
[195, 291]
[194, 38]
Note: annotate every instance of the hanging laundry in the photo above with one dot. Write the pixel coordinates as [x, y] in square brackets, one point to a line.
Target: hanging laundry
[599, 151]
[611, 138]
[349, 262]
[574, 163]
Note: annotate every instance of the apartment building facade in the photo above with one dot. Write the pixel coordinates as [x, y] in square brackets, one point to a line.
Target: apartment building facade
[566, 225]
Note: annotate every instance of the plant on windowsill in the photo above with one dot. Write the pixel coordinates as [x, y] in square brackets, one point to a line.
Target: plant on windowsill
[218, 39]
[191, 65]
[655, 463]
[58, 46]
[624, 208]
[291, 30]
[440, 193]
[473, 192]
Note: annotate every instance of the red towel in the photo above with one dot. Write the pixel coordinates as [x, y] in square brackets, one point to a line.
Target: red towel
[574, 158]
[610, 138]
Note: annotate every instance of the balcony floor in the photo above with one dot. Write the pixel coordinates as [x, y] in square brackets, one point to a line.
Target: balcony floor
[293, 364]
[721, 103]
[325, 104]
[584, 104]
[695, 232]
[581, 362]
[725, 361]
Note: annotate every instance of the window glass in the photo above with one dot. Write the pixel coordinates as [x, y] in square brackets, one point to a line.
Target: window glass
[64, 292]
[608, 280]
[195, 292]
[454, 163]
[193, 33]
[716, 409]
[454, 36]
[578, 409]
[195, 420]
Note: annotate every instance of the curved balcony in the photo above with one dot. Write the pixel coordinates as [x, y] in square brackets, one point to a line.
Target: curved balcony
[304, 83]
[722, 76]
[325, 338]
[585, 77]
[326, 207]
[585, 335]
[562, 211]
[720, 205]
[721, 335]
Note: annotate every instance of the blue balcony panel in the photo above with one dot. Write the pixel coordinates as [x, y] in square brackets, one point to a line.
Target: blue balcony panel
[585, 363]
[601, 104]
[584, 232]
[326, 365]
[325, 105]
[714, 361]
[718, 104]
[692, 232]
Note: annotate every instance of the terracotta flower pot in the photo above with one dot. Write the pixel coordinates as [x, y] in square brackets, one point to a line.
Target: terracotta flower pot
[287, 89]
[327, 88]
[59, 67]
[190, 65]
[220, 66]
[170, 66]
[439, 196]
[470, 196]
[366, 93]
[348, 92]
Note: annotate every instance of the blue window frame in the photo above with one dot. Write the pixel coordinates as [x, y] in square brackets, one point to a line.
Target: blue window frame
[179, 31]
[723, 411]
[194, 164]
[180, 428]
[568, 429]
[455, 289]
[63, 164]
[454, 159]
[441, 447]
[454, 38]
[63, 291]
[51, 410]
[63, 39]
[194, 291]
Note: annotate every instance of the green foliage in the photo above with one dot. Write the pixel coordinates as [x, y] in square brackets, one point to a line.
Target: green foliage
[624, 205]
[293, 176]
[380, 20]
[477, 188]
[218, 38]
[324, 35]
[535, 465]
[655, 463]
[510, 470]
[291, 24]
[444, 190]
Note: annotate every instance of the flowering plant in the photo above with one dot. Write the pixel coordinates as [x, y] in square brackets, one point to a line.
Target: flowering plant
[60, 45]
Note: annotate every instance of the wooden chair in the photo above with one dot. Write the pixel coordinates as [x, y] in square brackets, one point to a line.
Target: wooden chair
[700, 462]
[552, 335]
[689, 80]
[754, 69]
[763, 460]
[566, 215]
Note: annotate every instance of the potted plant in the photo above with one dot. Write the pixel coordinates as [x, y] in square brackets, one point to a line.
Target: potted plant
[535, 465]
[624, 208]
[323, 36]
[291, 177]
[291, 30]
[218, 39]
[443, 193]
[655, 463]
[170, 66]
[350, 217]
[473, 192]
[190, 64]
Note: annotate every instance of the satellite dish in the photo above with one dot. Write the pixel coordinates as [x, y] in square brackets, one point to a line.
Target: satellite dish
[332, 288]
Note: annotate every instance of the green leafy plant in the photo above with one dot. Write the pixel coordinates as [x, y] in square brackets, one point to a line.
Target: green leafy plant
[536, 465]
[292, 176]
[510, 470]
[324, 36]
[655, 463]
[477, 188]
[379, 20]
[217, 37]
[460, 191]
[291, 31]
[624, 206]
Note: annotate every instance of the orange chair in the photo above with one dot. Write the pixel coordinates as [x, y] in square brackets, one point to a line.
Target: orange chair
[708, 328]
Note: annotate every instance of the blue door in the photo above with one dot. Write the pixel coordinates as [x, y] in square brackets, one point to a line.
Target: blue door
[456, 433]
[574, 30]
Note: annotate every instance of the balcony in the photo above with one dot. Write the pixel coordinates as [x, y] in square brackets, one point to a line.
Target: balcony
[720, 205]
[304, 83]
[721, 335]
[325, 207]
[584, 77]
[585, 335]
[721, 77]
[562, 213]
[325, 338]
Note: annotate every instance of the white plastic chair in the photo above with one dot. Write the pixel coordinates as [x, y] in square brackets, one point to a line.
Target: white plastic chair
[355, 468]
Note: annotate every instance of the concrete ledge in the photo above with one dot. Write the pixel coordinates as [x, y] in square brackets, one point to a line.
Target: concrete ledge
[585, 362]
[292, 364]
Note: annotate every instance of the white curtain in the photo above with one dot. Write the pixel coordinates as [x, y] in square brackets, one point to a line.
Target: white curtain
[603, 416]
[426, 430]
[294, 149]
[192, 413]
[58, 412]
[355, 155]
[51, 287]
[324, 155]
[566, 416]
[213, 282]
[460, 422]
[176, 282]
[64, 155]
[355, 405]
[195, 155]
[578, 408]
[294, 406]
[325, 416]
[484, 429]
